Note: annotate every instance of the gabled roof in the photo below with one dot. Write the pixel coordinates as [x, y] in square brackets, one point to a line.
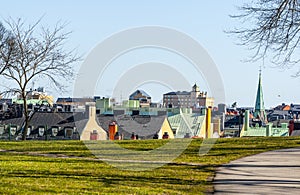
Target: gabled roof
[131, 97]
[186, 124]
[143, 126]
[283, 107]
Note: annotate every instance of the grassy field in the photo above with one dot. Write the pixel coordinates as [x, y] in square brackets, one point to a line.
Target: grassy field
[22, 172]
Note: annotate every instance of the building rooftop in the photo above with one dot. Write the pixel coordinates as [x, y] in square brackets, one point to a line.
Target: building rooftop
[178, 93]
[143, 126]
[69, 99]
[51, 119]
[5, 101]
[139, 91]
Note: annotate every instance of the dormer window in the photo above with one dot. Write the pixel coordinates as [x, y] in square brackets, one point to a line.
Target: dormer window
[54, 131]
[41, 131]
[29, 129]
[13, 130]
[68, 132]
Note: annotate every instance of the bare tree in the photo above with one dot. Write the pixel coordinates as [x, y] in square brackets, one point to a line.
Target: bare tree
[271, 28]
[6, 48]
[37, 53]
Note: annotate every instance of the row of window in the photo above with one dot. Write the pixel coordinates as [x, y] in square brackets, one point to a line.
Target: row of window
[53, 131]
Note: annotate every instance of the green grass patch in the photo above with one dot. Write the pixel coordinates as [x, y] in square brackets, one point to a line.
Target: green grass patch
[190, 173]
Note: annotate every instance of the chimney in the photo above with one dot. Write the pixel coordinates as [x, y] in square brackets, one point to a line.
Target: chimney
[90, 110]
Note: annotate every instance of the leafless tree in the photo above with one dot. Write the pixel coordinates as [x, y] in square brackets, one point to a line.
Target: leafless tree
[6, 48]
[35, 53]
[271, 28]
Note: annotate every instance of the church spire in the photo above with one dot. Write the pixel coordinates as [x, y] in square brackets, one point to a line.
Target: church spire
[259, 110]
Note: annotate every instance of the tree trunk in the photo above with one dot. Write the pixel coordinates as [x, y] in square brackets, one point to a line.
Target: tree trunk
[26, 116]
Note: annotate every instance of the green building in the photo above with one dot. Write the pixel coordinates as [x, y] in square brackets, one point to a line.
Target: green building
[266, 129]
[131, 104]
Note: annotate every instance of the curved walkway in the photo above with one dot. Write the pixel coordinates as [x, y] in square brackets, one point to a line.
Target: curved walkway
[275, 172]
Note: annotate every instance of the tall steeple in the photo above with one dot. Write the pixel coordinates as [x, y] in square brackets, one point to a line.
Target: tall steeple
[259, 110]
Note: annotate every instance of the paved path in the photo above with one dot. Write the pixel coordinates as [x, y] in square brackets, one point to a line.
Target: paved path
[275, 172]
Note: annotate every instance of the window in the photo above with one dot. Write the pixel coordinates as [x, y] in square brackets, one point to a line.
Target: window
[68, 132]
[29, 130]
[54, 131]
[13, 130]
[41, 131]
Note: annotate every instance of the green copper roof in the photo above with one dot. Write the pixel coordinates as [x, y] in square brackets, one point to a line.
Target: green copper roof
[184, 123]
[259, 109]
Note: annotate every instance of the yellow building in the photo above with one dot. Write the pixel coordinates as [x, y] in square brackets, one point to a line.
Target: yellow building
[166, 129]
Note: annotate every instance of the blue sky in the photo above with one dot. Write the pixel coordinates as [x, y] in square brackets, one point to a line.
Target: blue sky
[205, 21]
